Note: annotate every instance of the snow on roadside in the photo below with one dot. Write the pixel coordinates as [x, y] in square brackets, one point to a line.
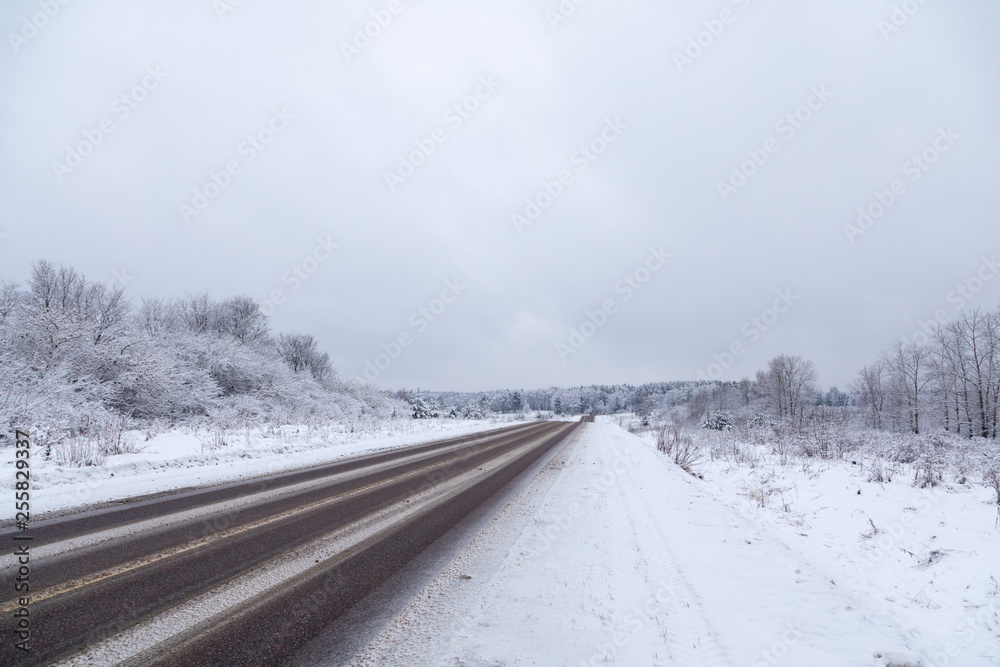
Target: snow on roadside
[614, 555]
[183, 458]
[925, 557]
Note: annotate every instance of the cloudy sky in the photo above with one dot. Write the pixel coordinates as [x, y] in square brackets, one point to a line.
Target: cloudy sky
[687, 178]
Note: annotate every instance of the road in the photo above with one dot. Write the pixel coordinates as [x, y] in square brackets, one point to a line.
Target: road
[247, 573]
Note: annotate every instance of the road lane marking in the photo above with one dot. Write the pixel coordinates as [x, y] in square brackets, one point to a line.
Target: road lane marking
[118, 570]
[182, 623]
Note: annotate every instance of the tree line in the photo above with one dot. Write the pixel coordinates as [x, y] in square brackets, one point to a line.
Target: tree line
[949, 380]
[73, 351]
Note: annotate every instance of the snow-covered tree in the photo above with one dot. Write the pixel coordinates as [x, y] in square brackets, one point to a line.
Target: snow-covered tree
[75, 353]
[719, 421]
[788, 382]
[420, 408]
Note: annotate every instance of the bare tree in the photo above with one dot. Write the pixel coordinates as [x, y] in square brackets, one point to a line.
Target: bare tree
[74, 351]
[745, 389]
[106, 309]
[948, 363]
[156, 316]
[869, 387]
[71, 291]
[10, 297]
[788, 382]
[770, 387]
[909, 368]
[296, 350]
[42, 286]
[196, 312]
[242, 318]
[641, 405]
[301, 352]
[699, 402]
[967, 366]
[321, 368]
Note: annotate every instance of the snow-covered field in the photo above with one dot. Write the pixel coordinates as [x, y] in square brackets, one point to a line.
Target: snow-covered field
[614, 555]
[927, 558]
[185, 458]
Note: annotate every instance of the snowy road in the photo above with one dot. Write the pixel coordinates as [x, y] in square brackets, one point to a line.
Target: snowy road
[614, 556]
[247, 573]
[598, 551]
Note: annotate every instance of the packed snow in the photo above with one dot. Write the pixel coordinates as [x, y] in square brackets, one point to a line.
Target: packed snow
[615, 555]
[184, 458]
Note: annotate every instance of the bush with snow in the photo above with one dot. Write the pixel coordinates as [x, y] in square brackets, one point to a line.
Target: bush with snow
[924, 460]
[421, 410]
[680, 447]
[473, 411]
[81, 367]
[718, 420]
[990, 467]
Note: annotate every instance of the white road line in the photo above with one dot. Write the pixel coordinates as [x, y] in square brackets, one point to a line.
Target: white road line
[179, 625]
[223, 534]
[187, 516]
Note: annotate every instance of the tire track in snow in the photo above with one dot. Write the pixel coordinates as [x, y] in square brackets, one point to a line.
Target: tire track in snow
[431, 629]
[688, 633]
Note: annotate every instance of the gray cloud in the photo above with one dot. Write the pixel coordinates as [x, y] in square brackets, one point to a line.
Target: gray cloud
[324, 175]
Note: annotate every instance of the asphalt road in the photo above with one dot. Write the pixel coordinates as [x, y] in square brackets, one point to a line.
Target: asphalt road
[247, 573]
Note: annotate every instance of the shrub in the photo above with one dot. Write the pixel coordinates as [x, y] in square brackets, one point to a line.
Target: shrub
[718, 420]
[991, 472]
[681, 448]
[77, 452]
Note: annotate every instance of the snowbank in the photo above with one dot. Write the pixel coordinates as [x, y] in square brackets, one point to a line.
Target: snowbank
[615, 555]
[186, 458]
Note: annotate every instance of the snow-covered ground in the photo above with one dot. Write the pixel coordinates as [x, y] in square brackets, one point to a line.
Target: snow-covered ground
[613, 555]
[929, 558]
[186, 458]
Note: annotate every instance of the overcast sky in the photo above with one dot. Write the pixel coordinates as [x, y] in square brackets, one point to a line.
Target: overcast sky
[184, 86]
